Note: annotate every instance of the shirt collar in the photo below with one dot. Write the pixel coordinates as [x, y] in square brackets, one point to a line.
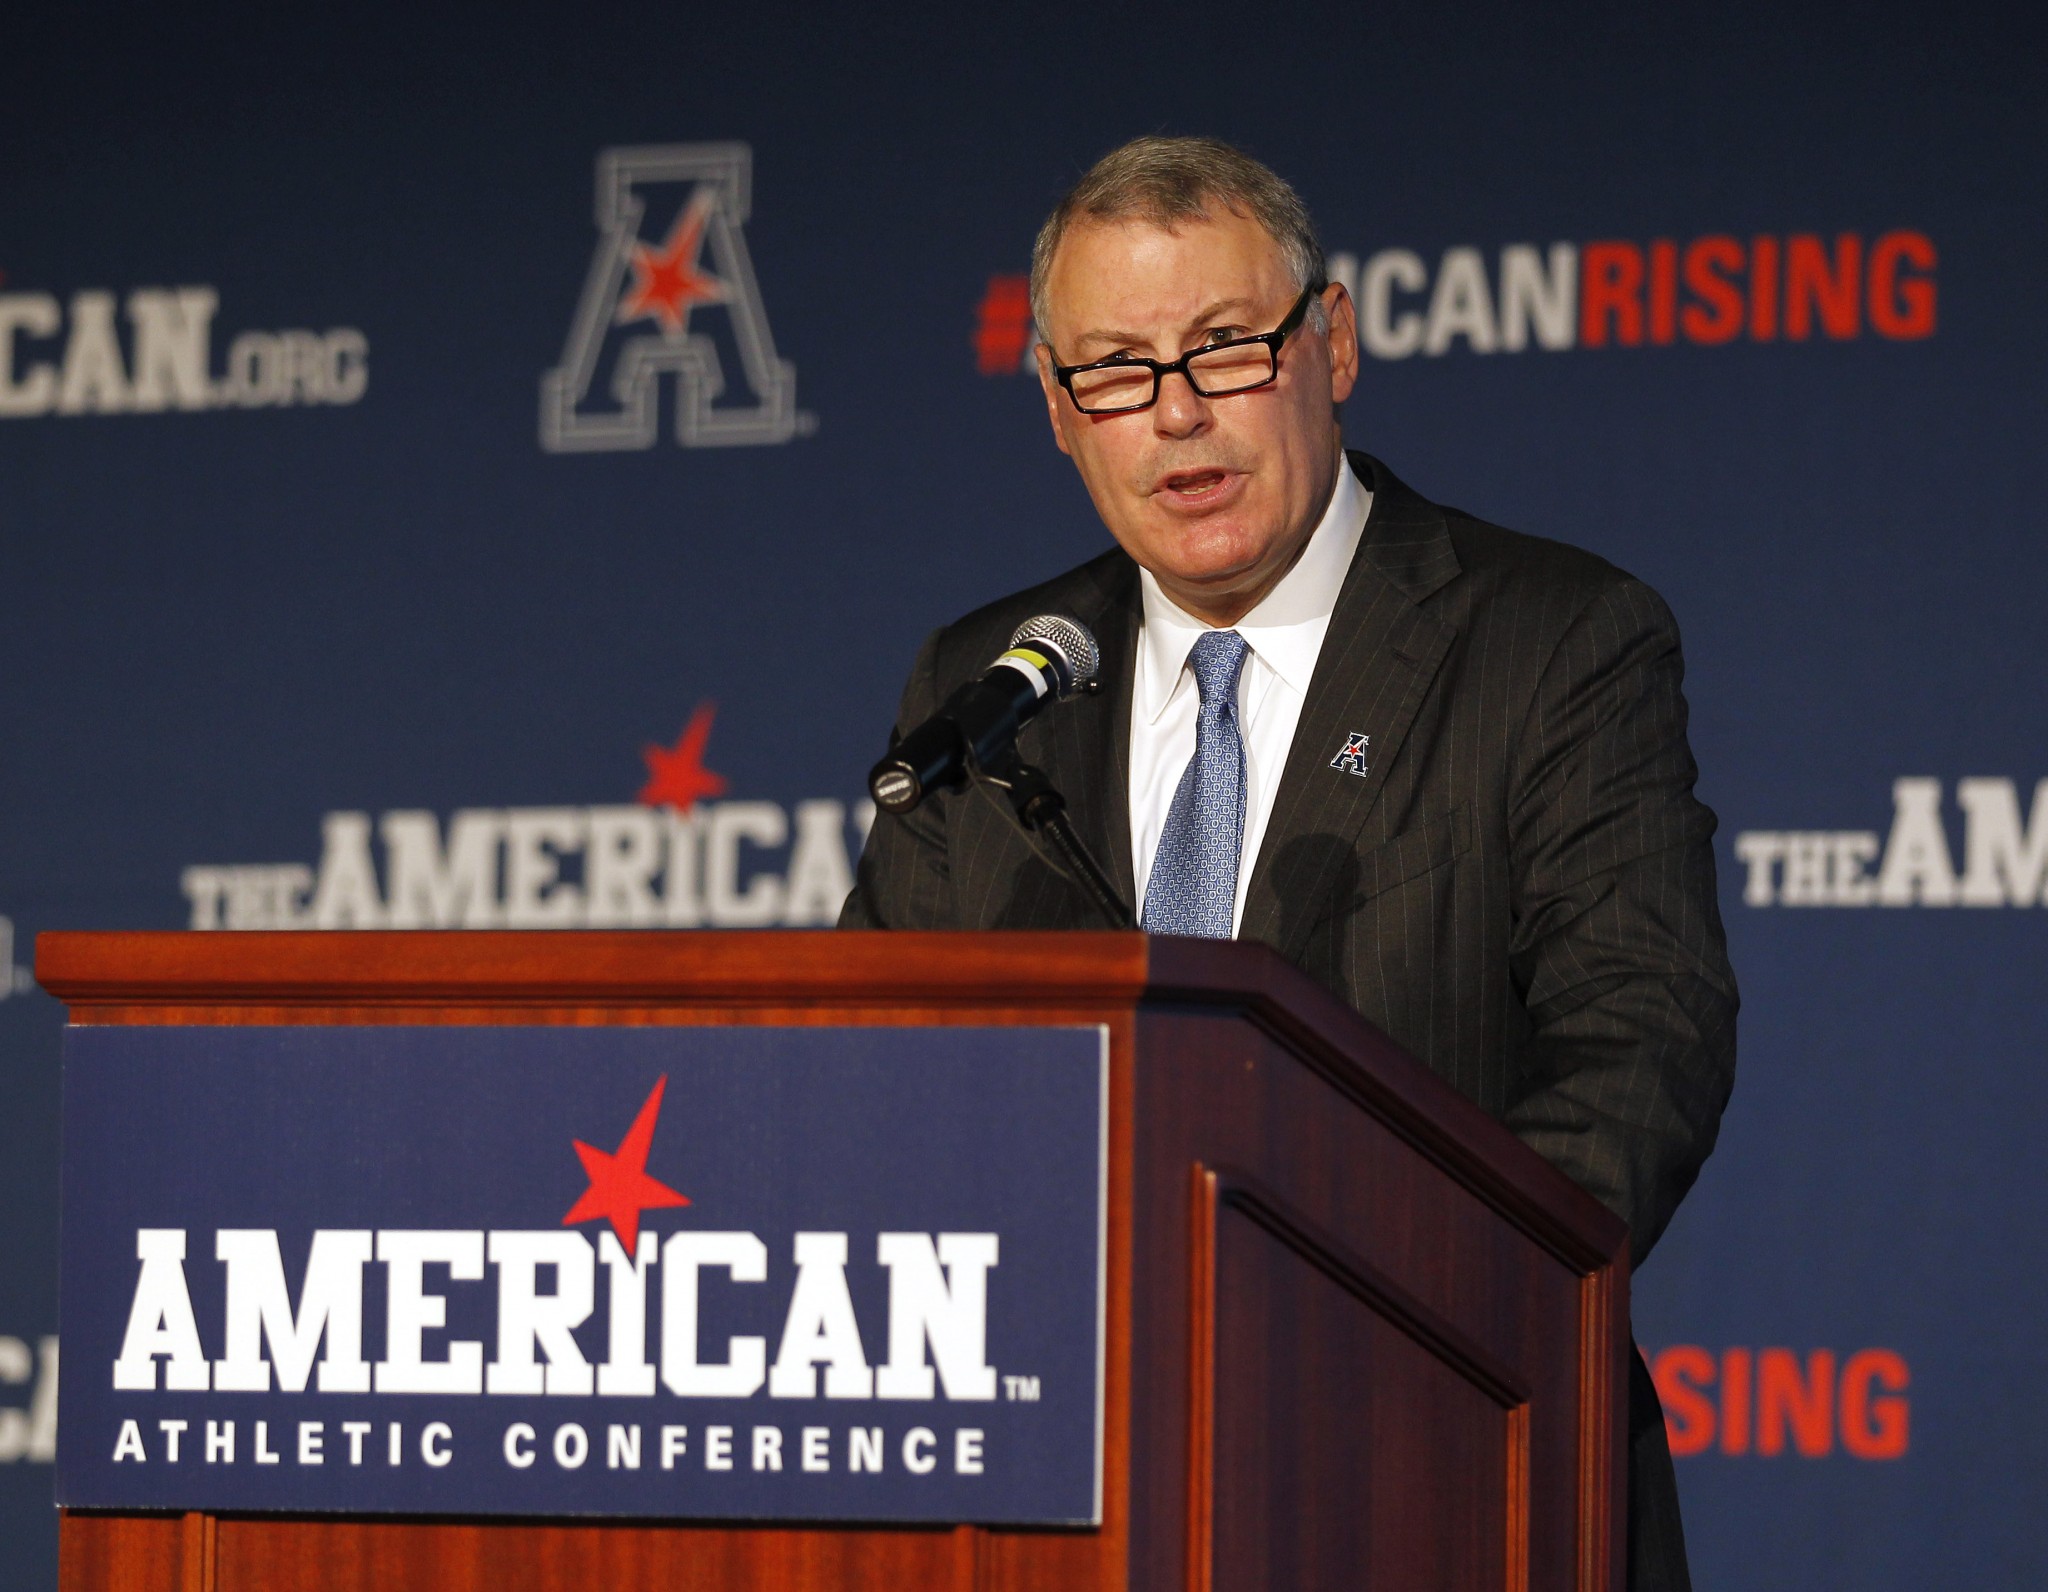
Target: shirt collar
[1285, 629]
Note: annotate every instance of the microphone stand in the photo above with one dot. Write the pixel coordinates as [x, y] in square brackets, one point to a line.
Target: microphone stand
[1039, 809]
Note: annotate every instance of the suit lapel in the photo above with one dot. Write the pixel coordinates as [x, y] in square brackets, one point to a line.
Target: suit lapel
[1378, 659]
[1088, 753]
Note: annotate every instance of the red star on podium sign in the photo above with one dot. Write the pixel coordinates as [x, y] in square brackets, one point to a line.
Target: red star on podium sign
[668, 282]
[677, 777]
[620, 1188]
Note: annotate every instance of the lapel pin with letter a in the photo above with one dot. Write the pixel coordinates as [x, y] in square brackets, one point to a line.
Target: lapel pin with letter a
[1352, 757]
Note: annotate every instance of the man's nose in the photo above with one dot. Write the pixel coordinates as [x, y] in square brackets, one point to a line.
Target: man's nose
[1180, 411]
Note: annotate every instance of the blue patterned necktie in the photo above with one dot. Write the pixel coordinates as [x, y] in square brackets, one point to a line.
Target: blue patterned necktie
[1193, 885]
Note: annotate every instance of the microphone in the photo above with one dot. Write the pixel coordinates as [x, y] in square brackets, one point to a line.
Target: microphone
[1050, 657]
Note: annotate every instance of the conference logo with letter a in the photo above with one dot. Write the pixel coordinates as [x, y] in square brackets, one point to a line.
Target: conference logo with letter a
[671, 291]
[1351, 756]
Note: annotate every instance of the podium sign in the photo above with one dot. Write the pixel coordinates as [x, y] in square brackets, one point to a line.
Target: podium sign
[713, 1273]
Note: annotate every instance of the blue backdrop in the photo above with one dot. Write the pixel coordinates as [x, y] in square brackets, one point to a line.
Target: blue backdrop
[437, 448]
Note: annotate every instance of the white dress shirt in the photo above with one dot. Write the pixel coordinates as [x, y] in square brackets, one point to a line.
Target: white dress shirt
[1283, 636]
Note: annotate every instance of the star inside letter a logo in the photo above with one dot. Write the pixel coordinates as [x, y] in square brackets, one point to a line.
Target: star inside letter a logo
[620, 1188]
[668, 281]
[1351, 756]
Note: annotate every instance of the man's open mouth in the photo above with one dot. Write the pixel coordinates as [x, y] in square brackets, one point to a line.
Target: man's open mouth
[1195, 484]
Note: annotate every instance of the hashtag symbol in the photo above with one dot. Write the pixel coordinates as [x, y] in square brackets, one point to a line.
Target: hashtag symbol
[1004, 330]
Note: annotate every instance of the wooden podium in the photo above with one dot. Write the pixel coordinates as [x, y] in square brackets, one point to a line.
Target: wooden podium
[1358, 1335]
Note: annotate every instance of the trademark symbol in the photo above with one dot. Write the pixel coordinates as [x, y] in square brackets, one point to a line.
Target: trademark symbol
[1021, 1389]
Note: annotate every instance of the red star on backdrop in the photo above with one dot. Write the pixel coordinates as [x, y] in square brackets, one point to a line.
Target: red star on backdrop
[668, 282]
[677, 777]
[620, 1188]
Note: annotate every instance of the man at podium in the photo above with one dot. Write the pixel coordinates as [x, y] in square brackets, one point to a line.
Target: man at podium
[1439, 766]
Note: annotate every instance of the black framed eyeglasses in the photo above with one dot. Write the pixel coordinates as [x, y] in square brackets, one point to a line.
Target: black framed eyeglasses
[1126, 383]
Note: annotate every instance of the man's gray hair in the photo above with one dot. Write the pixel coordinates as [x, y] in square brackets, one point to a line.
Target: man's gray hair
[1167, 180]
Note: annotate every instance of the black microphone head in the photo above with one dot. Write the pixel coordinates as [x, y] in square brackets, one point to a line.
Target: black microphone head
[1069, 642]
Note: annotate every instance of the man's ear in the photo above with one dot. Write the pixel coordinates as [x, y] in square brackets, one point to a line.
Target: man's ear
[1343, 341]
[1051, 389]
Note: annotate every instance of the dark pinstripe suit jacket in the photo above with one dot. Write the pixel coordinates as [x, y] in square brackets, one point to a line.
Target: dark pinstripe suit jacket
[1519, 889]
